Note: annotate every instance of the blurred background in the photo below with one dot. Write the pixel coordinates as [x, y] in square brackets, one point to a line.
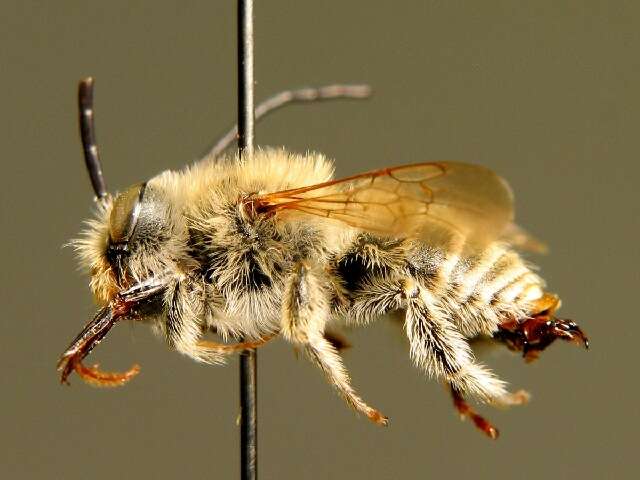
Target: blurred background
[545, 93]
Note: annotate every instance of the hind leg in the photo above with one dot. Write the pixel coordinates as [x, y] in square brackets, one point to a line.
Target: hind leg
[436, 345]
[439, 349]
[465, 410]
[534, 334]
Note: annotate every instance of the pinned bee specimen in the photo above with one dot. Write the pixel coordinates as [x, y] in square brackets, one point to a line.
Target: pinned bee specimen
[269, 244]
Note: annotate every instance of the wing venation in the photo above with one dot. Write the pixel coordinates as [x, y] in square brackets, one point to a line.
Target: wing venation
[424, 201]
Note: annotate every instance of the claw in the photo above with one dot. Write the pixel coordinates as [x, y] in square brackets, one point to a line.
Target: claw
[377, 417]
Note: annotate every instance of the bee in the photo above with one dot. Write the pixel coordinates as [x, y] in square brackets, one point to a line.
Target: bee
[269, 244]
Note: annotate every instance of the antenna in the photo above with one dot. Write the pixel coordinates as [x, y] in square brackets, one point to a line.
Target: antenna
[88, 136]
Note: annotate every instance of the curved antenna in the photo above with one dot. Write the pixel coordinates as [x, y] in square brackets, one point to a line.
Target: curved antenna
[88, 136]
[329, 92]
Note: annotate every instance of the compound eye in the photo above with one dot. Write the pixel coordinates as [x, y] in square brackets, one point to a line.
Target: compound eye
[125, 213]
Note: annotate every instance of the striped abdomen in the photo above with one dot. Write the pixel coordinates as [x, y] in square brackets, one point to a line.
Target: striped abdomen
[481, 291]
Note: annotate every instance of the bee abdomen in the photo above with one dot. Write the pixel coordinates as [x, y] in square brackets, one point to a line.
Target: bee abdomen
[483, 290]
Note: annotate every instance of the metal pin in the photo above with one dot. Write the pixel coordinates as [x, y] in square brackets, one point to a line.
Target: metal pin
[248, 360]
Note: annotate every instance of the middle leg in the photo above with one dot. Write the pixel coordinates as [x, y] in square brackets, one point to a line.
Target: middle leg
[305, 312]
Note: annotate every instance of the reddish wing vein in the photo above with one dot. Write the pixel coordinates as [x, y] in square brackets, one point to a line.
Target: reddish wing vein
[421, 200]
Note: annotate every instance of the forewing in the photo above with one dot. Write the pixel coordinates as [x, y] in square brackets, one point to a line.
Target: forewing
[424, 201]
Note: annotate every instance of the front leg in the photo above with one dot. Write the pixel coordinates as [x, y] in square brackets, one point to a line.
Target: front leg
[305, 311]
[184, 328]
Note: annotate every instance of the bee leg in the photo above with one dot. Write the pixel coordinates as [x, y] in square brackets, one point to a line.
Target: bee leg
[512, 399]
[534, 334]
[438, 348]
[305, 311]
[183, 330]
[324, 355]
[466, 411]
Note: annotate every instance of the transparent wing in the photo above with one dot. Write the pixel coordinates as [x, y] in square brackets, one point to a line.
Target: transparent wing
[519, 238]
[426, 201]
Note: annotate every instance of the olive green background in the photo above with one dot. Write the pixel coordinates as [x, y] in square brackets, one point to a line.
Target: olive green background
[545, 93]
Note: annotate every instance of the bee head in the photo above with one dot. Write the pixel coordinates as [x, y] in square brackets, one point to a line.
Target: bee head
[136, 221]
[134, 249]
[142, 230]
[137, 235]
[121, 247]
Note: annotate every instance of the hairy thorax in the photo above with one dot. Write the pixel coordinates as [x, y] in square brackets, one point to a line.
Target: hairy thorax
[245, 257]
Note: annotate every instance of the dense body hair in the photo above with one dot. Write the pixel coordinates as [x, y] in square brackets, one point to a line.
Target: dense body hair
[245, 275]
[271, 245]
